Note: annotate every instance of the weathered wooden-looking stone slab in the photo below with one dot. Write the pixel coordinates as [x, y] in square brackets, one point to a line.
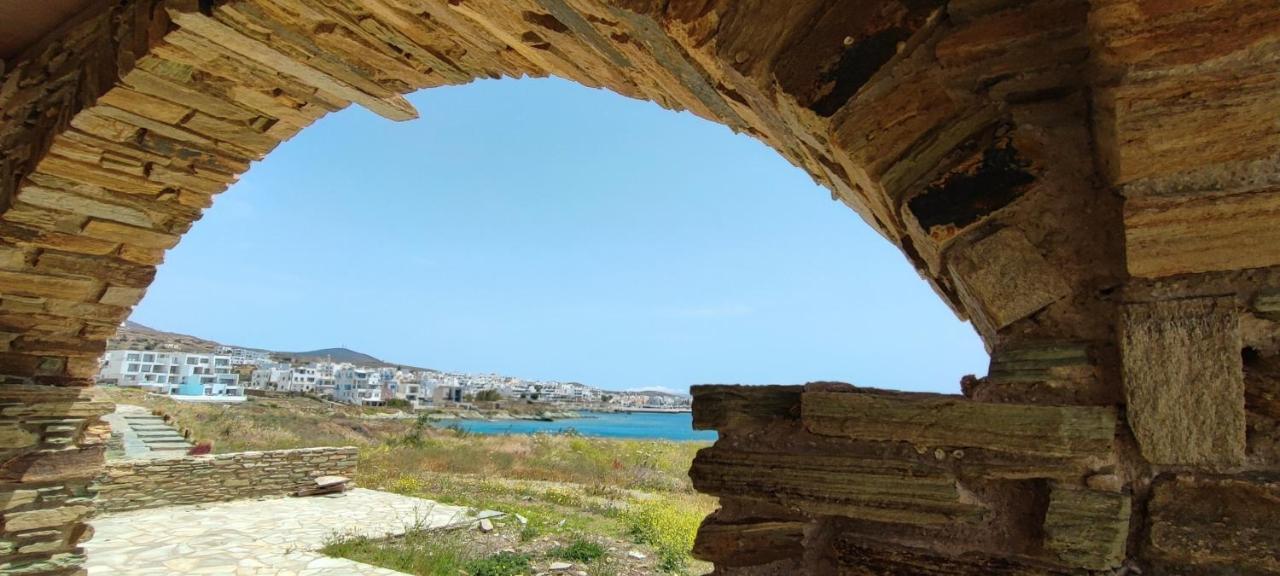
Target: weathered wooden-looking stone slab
[1184, 381]
[749, 543]
[1056, 373]
[930, 420]
[1034, 161]
[1216, 524]
[1086, 527]
[888, 490]
[864, 557]
[727, 407]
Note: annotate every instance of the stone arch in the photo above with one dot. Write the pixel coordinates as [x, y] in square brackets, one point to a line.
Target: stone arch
[1043, 164]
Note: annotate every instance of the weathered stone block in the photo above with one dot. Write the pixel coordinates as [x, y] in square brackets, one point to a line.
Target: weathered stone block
[1087, 528]
[1165, 236]
[748, 543]
[858, 556]
[52, 465]
[17, 498]
[890, 489]
[720, 407]
[15, 437]
[1005, 278]
[1060, 373]
[47, 518]
[1184, 381]
[1215, 525]
[932, 420]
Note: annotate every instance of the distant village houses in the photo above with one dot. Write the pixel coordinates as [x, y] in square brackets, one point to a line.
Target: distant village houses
[181, 374]
[226, 374]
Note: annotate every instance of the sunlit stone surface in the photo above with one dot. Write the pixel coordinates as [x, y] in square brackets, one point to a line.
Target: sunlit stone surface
[1069, 175]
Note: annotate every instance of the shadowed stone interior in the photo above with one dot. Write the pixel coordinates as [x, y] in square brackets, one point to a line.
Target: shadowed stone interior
[1095, 185]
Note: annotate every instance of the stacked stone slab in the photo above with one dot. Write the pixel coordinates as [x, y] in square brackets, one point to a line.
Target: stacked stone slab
[897, 483]
[1093, 184]
[152, 483]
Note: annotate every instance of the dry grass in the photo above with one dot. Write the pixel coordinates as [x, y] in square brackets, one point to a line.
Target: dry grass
[631, 490]
[268, 423]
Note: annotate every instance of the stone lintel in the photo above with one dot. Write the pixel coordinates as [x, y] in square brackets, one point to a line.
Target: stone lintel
[933, 420]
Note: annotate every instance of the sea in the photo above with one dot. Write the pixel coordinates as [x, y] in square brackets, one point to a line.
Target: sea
[644, 425]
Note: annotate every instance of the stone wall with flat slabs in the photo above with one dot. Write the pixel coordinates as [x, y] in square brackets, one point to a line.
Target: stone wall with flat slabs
[137, 484]
[1094, 184]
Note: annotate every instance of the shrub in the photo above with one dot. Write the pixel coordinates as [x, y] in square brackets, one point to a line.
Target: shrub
[668, 528]
[500, 564]
[578, 551]
[423, 553]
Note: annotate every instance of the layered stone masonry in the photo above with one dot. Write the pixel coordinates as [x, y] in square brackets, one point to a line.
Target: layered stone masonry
[136, 484]
[1092, 183]
[827, 478]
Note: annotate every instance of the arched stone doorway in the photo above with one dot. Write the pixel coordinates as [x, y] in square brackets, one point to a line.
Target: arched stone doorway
[1092, 184]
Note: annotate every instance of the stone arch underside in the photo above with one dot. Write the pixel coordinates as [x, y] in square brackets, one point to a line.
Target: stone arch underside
[1094, 185]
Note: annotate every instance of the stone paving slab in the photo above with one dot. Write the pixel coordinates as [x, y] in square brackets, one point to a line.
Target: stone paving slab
[270, 537]
[142, 433]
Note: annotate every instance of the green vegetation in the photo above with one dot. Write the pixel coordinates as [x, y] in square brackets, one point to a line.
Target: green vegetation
[579, 551]
[430, 554]
[500, 564]
[667, 527]
[579, 496]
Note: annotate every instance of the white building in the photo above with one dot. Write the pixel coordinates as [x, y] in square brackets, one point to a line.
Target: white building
[446, 394]
[300, 379]
[324, 377]
[354, 385]
[408, 386]
[245, 356]
[172, 373]
[270, 377]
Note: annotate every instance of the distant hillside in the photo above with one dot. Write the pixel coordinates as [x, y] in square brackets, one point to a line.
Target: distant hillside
[333, 355]
[650, 392]
[136, 336]
[133, 335]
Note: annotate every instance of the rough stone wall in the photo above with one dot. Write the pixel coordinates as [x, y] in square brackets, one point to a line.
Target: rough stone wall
[137, 484]
[1092, 183]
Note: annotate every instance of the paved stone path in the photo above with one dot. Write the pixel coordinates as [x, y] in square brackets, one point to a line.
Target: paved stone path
[272, 537]
[145, 435]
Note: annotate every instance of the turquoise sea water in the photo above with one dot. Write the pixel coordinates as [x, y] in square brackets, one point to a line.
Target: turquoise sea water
[645, 425]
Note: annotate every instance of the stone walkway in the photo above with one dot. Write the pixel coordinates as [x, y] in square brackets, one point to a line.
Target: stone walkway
[144, 435]
[274, 537]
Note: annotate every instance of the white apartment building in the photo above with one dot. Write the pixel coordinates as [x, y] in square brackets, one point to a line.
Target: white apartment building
[300, 379]
[173, 373]
[269, 377]
[245, 356]
[354, 385]
[407, 386]
[324, 377]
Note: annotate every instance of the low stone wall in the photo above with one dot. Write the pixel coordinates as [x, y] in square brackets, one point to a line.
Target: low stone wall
[136, 484]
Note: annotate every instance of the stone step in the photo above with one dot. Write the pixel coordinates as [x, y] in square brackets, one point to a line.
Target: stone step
[169, 446]
[144, 427]
[139, 418]
[169, 452]
[165, 432]
[163, 440]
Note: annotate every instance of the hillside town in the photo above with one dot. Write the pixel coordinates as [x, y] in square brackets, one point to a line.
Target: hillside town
[230, 374]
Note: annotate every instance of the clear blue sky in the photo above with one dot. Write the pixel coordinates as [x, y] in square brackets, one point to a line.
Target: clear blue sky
[540, 229]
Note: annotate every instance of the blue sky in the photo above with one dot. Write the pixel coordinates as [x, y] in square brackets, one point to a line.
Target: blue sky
[541, 229]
